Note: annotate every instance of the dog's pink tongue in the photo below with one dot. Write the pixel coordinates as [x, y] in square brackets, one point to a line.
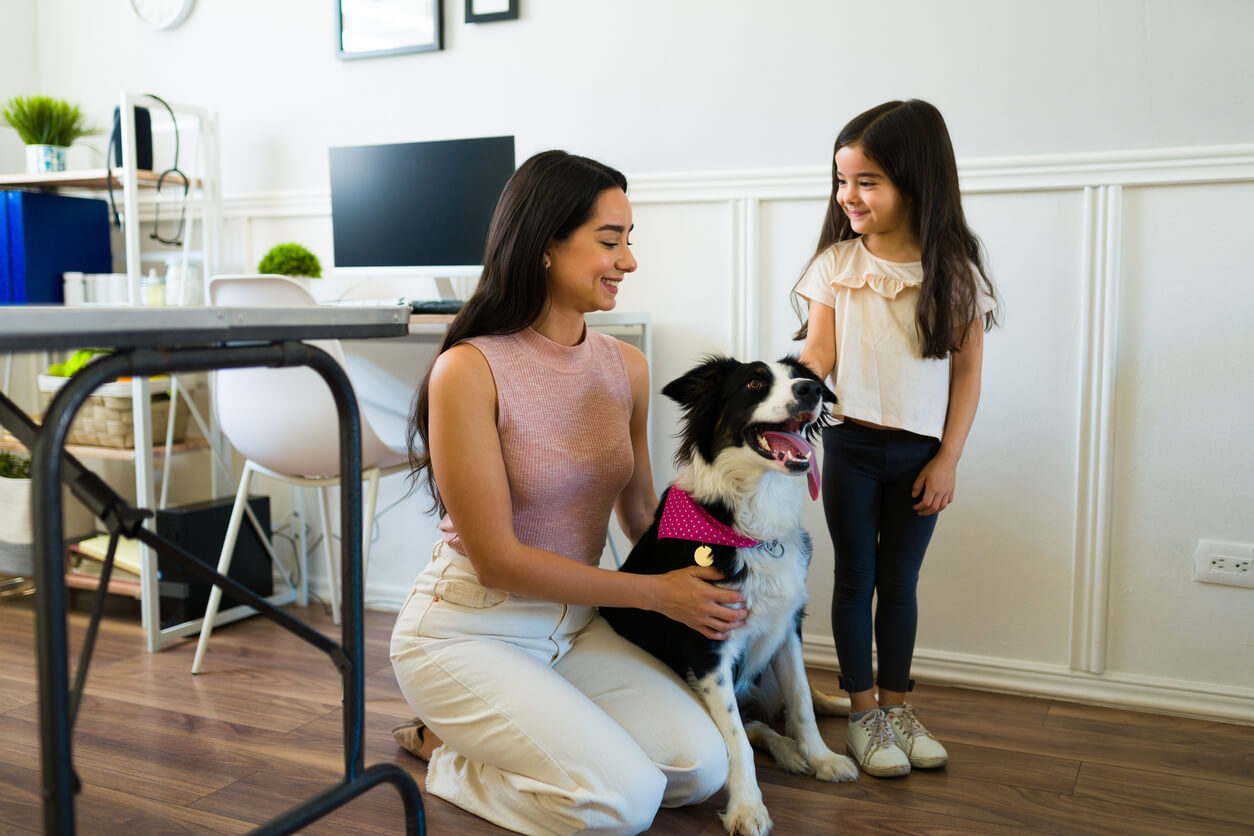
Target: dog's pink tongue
[800, 448]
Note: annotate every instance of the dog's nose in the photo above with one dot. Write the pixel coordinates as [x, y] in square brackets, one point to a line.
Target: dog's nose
[807, 391]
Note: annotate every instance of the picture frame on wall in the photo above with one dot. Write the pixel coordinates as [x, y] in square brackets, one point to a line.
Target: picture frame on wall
[375, 28]
[490, 11]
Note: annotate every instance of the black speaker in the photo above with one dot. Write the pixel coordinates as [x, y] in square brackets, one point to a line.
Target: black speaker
[143, 138]
[200, 528]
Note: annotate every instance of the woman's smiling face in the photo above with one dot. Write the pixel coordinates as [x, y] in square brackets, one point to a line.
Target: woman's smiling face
[585, 269]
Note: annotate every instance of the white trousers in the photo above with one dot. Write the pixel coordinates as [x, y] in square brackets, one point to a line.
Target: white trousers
[552, 723]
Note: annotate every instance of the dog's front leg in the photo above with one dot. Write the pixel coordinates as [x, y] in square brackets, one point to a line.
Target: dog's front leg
[795, 688]
[745, 814]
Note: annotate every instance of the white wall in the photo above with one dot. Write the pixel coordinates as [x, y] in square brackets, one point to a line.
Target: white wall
[659, 85]
[19, 71]
[1110, 437]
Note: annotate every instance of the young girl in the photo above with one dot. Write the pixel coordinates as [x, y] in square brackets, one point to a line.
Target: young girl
[529, 430]
[898, 305]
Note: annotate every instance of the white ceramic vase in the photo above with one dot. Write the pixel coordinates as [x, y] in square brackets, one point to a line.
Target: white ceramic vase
[42, 159]
[15, 527]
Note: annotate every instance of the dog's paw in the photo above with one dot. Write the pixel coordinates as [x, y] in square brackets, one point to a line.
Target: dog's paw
[746, 820]
[829, 766]
[787, 753]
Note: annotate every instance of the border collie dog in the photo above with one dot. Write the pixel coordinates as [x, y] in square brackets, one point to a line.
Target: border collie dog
[745, 459]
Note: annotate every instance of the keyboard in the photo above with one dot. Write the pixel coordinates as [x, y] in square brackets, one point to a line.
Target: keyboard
[435, 306]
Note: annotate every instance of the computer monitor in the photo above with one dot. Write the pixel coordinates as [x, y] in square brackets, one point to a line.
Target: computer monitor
[416, 209]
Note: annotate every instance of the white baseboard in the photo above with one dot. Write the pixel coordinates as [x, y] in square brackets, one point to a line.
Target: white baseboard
[1009, 676]
[1037, 679]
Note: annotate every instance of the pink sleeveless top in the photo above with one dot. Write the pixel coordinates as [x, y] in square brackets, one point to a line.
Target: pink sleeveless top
[563, 416]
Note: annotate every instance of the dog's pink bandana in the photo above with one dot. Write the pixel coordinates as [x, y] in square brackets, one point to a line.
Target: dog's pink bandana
[683, 519]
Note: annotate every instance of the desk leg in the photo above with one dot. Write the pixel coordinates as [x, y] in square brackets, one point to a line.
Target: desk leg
[59, 780]
[59, 783]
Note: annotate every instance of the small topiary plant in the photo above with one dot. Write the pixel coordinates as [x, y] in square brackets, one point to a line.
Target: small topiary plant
[13, 467]
[290, 260]
[43, 120]
[70, 367]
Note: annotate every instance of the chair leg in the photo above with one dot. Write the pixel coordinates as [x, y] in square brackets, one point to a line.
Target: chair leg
[332, 575]
[367, 519]
[224, 564]
[302, 593]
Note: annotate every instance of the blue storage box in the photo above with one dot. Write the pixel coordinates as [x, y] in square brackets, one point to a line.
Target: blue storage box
[43, 235]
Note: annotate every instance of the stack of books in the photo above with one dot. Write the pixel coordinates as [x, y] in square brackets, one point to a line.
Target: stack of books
[86, 563]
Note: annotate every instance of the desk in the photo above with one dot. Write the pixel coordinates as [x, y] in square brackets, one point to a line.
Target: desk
[160, 340]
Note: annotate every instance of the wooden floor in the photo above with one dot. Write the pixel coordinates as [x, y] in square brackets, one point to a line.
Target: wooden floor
[161, 751]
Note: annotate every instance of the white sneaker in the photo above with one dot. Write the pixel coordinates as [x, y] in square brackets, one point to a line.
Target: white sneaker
[923, 750]
[871, 742]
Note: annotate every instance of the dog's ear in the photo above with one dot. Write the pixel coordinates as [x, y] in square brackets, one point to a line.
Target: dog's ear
[700, 383]
[699, 395]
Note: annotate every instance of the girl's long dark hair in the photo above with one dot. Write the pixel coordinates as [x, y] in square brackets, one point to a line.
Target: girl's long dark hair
[910, 142]
[550, 196]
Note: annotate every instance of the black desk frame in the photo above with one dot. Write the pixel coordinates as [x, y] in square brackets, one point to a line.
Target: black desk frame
[51, 465]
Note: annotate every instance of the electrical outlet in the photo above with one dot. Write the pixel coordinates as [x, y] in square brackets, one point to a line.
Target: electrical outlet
[1231, 564]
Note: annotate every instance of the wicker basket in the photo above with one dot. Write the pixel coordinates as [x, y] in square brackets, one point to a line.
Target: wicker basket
[107, 418]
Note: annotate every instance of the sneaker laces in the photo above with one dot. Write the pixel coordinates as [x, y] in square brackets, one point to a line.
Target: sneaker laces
[908, 721]
[880, 735]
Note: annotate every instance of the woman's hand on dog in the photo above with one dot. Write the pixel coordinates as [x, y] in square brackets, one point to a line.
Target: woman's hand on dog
[687, 596]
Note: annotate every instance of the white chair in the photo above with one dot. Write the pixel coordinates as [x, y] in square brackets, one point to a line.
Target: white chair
[284, 423]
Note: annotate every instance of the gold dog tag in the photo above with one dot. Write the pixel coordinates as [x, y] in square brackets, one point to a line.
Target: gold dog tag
[704, 556]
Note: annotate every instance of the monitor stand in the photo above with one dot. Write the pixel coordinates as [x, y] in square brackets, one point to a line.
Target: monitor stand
[455, 288]
[444, 286]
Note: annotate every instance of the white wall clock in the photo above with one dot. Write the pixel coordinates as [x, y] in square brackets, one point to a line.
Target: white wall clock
[162, 14]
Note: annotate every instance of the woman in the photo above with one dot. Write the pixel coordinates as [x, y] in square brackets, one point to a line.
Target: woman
[528, 429]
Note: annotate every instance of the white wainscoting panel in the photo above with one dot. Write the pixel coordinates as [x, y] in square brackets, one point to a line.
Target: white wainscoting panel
[1113, 429]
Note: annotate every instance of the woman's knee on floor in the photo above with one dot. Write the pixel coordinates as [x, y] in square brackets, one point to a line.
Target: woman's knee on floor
[699, 769]
[622, 797]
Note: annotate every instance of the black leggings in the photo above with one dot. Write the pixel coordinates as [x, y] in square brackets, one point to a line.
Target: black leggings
[879, 541]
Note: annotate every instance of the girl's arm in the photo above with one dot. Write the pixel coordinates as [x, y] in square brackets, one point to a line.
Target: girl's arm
[469, 468]
[819, 352]
[934, 487]
[638, 502]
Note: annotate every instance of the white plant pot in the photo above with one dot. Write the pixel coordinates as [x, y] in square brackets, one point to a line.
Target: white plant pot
[42, 159]
[15, 527]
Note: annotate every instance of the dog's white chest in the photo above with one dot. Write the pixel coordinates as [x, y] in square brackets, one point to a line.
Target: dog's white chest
[774, 589]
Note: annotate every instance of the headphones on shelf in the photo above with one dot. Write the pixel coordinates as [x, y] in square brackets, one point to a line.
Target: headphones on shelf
[116, 138]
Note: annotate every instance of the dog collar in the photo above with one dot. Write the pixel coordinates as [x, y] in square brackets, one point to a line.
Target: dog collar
[684, 519]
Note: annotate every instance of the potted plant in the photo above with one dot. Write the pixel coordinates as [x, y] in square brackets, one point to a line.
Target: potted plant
[290, 260]
[48, 127]
[15, 526]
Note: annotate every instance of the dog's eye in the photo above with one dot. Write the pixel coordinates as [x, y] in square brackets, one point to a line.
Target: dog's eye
[756, 384]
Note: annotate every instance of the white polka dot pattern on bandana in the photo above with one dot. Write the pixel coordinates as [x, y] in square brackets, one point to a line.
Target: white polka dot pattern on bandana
[684, 519]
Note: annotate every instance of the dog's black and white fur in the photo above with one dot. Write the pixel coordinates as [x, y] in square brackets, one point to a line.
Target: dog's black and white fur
[746, 456]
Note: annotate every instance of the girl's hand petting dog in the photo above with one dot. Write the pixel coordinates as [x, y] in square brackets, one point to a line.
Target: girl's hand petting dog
[687, 596]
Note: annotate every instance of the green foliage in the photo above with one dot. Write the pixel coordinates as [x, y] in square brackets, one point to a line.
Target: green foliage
[290, 260]
[76, 362]
[13, 467]
[43, 120]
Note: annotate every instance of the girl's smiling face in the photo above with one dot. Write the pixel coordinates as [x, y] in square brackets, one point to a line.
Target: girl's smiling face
[585, 269]
[876, 208]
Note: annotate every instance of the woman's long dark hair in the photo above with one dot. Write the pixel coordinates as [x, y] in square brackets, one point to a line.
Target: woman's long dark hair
[910, 142]
[550, 196]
